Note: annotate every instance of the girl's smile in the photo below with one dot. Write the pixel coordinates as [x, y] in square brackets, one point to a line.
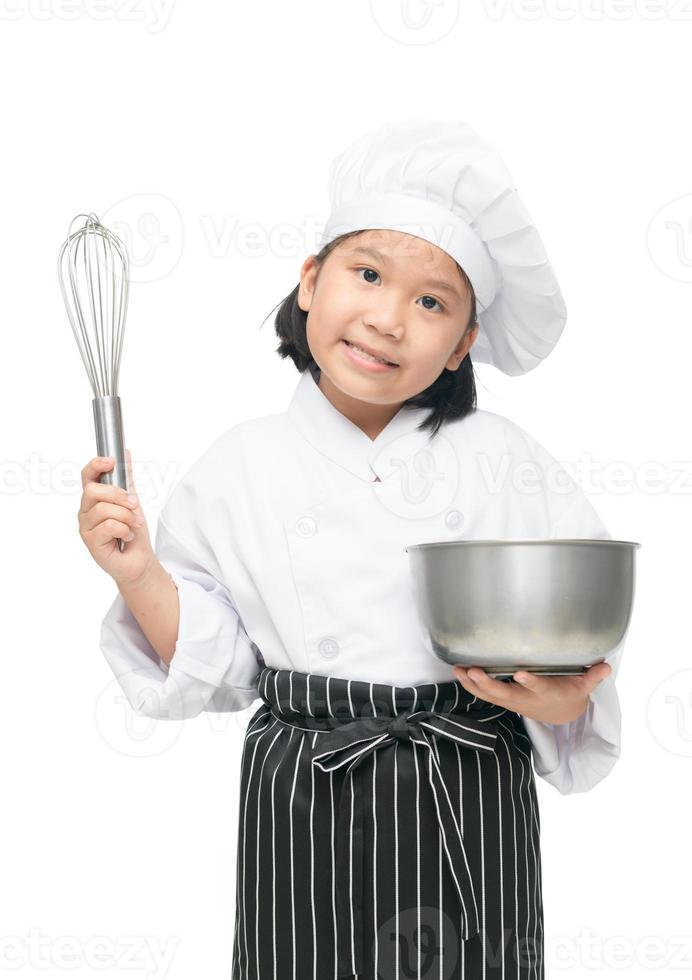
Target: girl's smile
[367, 362]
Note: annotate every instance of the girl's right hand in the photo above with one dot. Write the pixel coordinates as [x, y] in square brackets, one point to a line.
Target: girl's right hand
[105, 514]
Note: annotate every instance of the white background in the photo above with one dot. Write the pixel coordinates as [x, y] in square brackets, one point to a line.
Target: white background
[204, 131]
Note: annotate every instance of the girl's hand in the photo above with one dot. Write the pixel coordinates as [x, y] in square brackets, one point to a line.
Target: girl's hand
[105, 514]
[555, 700]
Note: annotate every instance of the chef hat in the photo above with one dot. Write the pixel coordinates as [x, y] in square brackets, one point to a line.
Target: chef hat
[440, 181]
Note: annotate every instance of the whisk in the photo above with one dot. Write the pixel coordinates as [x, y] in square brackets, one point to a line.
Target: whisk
[93, 273]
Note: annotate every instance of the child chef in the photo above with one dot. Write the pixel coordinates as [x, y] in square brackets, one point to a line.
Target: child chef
[388, 812]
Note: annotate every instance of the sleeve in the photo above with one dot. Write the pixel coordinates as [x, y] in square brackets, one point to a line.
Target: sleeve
[215, 665]
[577, 755]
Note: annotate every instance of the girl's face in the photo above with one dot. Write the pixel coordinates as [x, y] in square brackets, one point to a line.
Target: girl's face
[397, 295]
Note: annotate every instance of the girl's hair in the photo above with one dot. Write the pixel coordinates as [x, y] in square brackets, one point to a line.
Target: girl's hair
[451, 396]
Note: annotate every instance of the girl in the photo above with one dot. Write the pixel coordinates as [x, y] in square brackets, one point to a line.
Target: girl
[388, 819]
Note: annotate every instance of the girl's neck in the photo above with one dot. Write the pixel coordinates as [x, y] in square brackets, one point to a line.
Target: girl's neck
[371, 419]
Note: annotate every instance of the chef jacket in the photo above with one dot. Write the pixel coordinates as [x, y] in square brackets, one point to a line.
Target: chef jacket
[286, 541]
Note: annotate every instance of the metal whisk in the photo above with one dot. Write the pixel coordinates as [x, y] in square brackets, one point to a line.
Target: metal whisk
[93, 273]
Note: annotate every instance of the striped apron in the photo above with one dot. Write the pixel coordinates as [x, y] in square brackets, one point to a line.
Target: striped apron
[385, 832]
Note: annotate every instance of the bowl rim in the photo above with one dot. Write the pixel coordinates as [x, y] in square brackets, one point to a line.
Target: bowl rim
[504, 542]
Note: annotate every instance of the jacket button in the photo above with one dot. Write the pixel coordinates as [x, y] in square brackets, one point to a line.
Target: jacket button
[454, 518]
[305, 526]
[328, 647]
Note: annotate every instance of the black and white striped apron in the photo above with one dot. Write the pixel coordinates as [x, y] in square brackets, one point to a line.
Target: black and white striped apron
[385, 832]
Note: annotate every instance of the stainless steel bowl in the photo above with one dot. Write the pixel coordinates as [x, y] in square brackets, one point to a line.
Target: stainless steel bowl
[544, 605]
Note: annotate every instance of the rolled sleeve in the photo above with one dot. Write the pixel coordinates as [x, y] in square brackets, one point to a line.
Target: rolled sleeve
[575, 756]
[215, 665]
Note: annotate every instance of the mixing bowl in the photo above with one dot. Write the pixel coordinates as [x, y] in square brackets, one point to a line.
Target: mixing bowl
[544, 605]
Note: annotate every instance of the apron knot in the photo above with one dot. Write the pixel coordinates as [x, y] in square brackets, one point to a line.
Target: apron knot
[348, 745]
[399, 728]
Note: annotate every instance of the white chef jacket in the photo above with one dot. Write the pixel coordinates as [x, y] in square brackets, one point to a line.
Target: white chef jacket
[286, 543]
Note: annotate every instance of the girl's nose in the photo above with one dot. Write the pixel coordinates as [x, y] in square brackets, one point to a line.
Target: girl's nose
[387, 319]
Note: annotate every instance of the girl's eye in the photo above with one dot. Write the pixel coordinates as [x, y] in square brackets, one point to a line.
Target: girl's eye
[434, 301]
[367, 269]
[431, 308]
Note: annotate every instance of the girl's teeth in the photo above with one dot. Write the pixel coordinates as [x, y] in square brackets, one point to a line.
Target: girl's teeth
[370, 357]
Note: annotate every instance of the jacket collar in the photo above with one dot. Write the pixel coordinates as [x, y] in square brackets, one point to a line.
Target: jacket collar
[341, 441]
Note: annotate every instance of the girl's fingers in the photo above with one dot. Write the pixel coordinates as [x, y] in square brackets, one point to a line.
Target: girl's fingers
[485, 687]
[130, 478]
[111, 528]
[94, 468]
[493, 687]
[532, 682]
[95, 491]
[104, 510]
[131, 488]
[593, 677]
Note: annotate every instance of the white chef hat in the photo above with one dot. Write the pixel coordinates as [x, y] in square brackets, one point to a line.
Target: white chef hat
[440, 181]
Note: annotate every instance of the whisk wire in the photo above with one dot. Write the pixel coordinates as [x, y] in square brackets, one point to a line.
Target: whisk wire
[94, 274]
[93, 280]
[118, 332]
[73, 305]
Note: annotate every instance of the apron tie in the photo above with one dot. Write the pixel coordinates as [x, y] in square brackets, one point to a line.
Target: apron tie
[348, 745]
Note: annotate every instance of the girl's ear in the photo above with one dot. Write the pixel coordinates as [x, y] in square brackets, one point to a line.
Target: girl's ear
[462, 348]
[308, 276]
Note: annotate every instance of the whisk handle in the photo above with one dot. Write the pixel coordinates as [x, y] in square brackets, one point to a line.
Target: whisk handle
[110, 441]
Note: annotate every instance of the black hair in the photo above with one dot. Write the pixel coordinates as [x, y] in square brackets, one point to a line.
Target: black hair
[451, 396]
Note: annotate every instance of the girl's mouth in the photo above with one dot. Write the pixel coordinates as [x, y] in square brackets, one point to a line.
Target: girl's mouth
[368, 361]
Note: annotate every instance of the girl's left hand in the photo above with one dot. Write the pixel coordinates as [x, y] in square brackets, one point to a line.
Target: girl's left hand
[555, 700]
